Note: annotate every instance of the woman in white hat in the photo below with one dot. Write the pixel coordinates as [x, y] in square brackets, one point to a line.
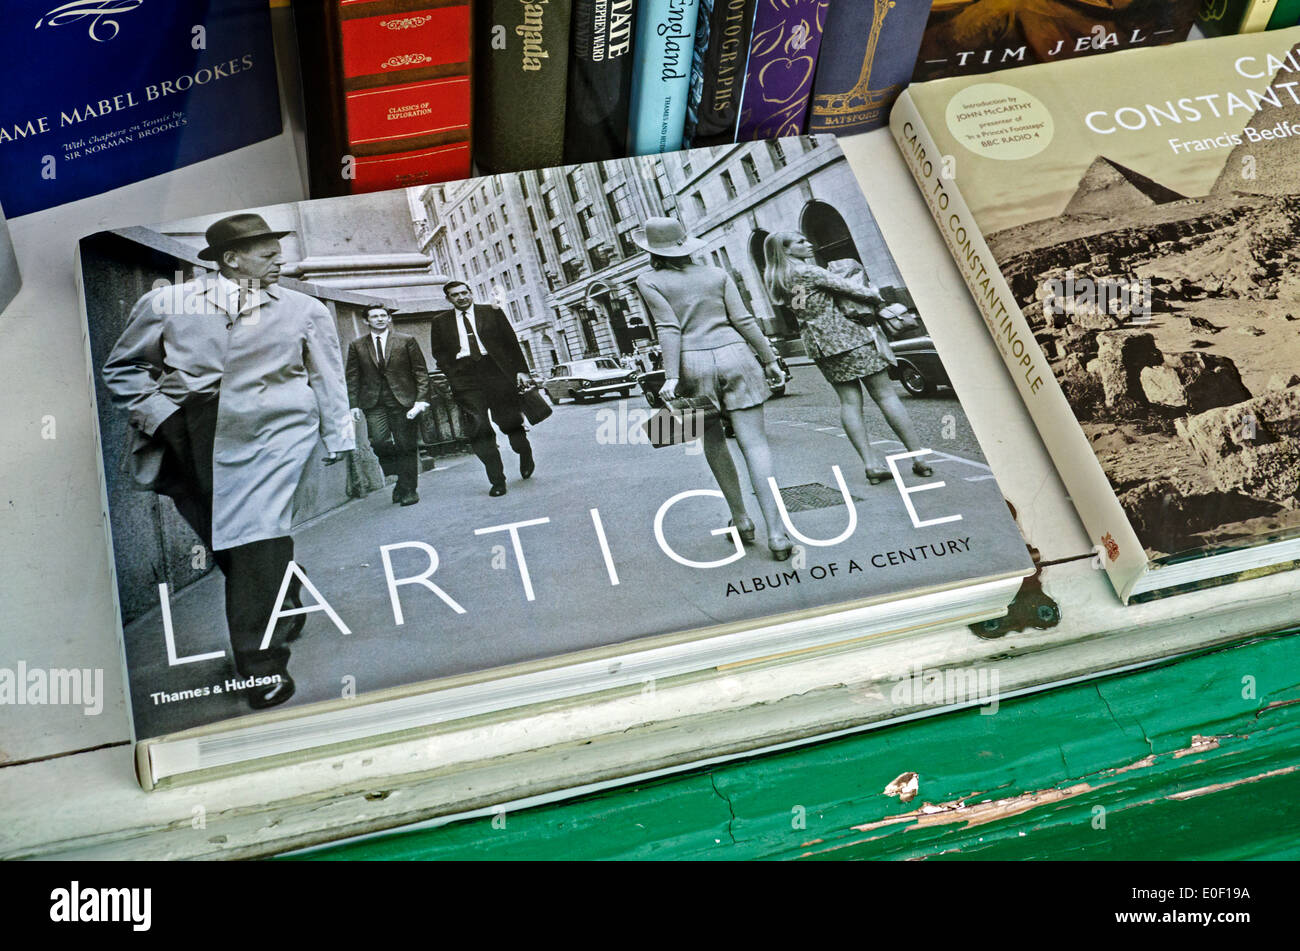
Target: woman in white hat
[846, 352]
[709, 341]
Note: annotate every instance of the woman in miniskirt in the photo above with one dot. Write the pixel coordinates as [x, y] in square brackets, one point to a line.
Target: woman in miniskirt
[844, 350]
[709, 341]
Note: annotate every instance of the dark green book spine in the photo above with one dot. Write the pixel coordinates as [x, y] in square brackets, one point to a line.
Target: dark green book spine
[521, 63]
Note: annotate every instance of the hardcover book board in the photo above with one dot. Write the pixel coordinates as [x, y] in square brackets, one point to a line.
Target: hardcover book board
[1287, 14]
[964, 37]
[113, 93]
[600, 80]
[718, 71]
[1219, 17]
[867, 56]
[610, 542]
[1149, 239]
[782, 63]
[521, 70]
[661, 77]
[389, 90]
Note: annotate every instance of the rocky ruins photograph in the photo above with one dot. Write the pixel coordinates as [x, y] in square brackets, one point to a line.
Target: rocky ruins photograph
[1172, 322]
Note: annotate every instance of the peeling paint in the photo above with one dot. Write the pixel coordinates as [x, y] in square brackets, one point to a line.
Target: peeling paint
[1220, 787]
[1144, 763]
[958, 810]
[1200, 744]
[1274, 705]
[904, 786]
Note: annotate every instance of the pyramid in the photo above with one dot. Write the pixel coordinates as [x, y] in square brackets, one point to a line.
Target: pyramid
[1108, 188]
[1270, 167]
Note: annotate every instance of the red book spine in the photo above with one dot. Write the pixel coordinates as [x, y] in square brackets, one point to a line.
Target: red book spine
[420, 167]
[408, 111]
[406, 90]
[374, 45]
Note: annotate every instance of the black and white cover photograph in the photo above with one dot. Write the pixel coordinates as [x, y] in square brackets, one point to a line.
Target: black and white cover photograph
[359, 444]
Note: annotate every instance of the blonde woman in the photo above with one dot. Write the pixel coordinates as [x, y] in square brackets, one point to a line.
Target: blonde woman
[843, 350]
[709, 341]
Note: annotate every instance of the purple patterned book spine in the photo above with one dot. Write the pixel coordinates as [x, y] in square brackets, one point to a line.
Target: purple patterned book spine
[782, 63]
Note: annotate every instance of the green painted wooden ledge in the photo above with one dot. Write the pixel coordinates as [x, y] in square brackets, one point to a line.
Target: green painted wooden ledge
[1198, 758]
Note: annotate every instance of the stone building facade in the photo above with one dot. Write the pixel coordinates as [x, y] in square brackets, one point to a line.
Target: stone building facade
[553, 249]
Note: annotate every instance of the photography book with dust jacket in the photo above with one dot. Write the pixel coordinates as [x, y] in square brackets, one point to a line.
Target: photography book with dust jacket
[1133, 247]
[379, 462]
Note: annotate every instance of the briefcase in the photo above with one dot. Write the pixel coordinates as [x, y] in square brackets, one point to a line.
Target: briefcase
[680, 420]
[536, 406]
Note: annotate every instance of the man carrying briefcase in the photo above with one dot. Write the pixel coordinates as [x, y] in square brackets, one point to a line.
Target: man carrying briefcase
[475, 346]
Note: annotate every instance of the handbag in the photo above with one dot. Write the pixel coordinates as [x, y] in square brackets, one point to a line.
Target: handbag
[872, 325]
[898, 321]
[536, 406]
[680, 420]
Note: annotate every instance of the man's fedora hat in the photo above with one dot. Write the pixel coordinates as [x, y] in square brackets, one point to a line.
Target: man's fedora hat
[223, 234]
[667, 238]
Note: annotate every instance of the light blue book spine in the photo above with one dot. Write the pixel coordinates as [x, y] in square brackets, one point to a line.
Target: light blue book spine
[661, 81]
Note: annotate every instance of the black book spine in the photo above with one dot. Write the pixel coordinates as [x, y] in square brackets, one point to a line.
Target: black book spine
[600, 80]
[521, 69]
[320, 56]
[722, 72]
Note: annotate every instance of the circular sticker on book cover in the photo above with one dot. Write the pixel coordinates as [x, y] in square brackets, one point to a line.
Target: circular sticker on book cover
[999, 121]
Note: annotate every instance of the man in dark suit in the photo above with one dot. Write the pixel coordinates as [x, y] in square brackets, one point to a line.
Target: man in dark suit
[475, 346]
[388, 381]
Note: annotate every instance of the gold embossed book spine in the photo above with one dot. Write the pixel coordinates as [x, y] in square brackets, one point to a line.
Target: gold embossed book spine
[388, 92]
[521, 81]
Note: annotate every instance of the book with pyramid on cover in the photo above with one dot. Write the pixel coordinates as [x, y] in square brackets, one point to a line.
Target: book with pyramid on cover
[1135, 252]
[607, 562]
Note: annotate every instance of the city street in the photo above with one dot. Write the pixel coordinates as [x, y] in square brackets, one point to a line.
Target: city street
[590, 456]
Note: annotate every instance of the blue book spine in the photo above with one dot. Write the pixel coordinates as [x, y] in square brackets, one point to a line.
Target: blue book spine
[866, 60]
[661, 80]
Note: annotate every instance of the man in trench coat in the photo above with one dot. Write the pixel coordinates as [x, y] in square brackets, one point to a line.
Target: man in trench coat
[236, 379]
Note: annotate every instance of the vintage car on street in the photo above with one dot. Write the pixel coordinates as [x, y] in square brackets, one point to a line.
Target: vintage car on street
[920, 370]
[592, 378]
